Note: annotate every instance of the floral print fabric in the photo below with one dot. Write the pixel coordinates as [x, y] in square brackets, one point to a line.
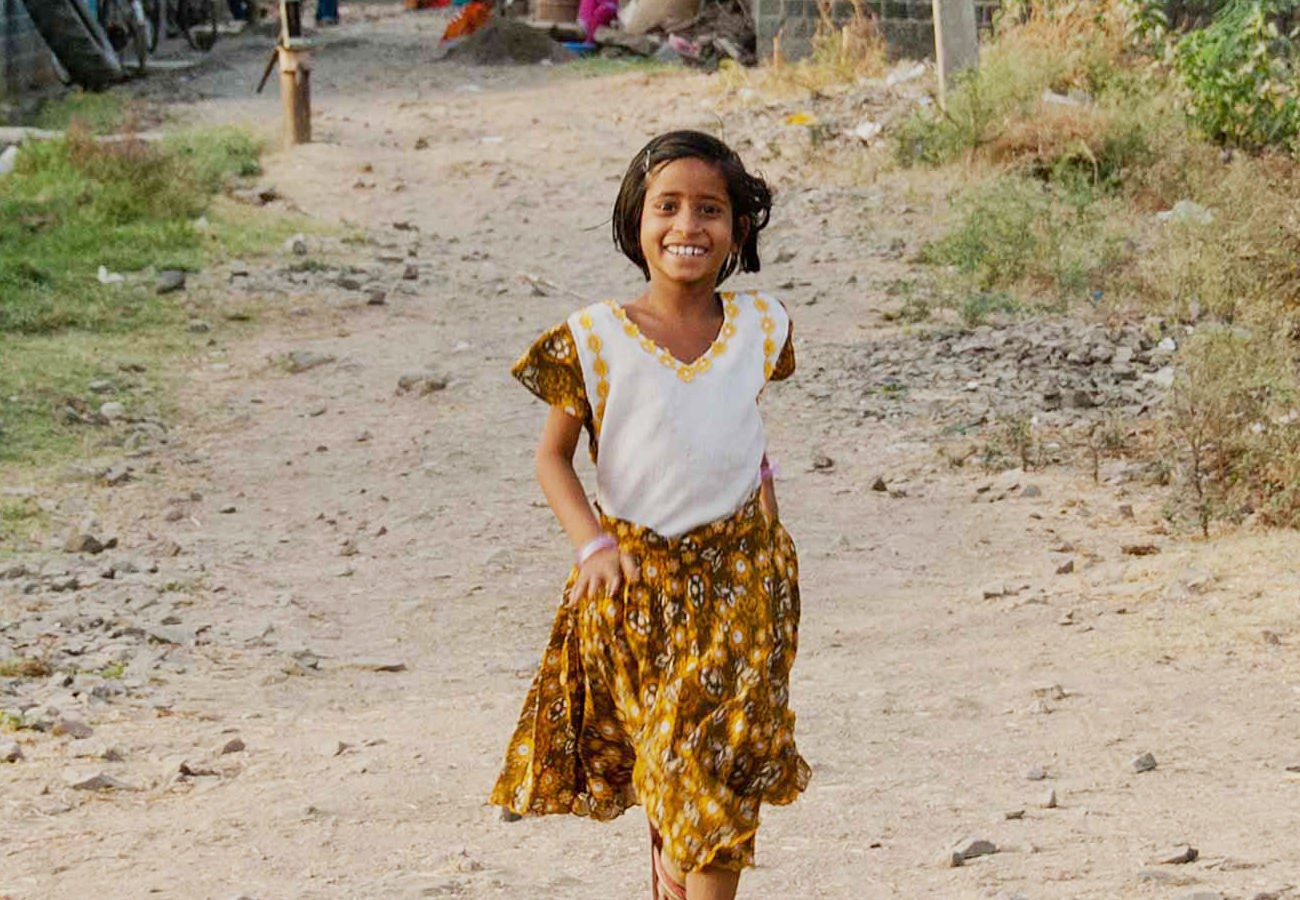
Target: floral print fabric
[550, 369]
[673, 694]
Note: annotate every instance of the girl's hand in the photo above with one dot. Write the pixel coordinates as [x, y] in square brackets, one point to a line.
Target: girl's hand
[603, 575]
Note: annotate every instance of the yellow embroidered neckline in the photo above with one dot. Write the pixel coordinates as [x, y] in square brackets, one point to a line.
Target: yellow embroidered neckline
[685, 371]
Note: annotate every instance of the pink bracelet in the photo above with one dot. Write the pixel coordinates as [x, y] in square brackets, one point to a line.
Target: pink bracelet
[768, 471]
[594, 546]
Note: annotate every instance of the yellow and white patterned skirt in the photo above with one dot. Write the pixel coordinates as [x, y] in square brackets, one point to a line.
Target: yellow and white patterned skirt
[673, 694]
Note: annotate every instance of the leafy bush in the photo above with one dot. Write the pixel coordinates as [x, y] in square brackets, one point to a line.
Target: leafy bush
[1241, 74]
[1013, 231]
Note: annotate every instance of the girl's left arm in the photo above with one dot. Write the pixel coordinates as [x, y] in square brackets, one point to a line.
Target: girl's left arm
[767, 491]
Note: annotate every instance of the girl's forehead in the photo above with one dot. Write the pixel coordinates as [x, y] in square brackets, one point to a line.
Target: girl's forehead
[687, 175]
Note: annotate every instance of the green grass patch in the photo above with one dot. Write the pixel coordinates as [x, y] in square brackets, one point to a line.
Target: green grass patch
[72, 206]
[1013, 236]
[21, 520]
[238, 231]
[102, 113]
[45, 386]
[600, 67]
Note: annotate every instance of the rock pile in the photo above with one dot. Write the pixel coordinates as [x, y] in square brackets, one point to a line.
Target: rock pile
[1061, 372]
[87, 632]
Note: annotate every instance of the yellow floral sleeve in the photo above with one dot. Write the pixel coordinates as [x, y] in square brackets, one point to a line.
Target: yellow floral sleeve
[784, 367]
[551, 370]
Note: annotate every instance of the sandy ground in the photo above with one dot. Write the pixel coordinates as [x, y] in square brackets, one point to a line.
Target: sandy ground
[948, 679]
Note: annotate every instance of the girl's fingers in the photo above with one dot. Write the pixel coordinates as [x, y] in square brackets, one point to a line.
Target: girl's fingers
[631, 571]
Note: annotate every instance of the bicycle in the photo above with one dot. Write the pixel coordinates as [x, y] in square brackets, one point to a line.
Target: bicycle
[196, 19]
[128, 28]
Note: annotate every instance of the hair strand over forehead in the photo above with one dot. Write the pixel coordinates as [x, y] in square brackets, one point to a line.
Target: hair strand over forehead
[751, 198]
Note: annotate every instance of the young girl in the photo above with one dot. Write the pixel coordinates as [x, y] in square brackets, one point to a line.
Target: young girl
[665, 681]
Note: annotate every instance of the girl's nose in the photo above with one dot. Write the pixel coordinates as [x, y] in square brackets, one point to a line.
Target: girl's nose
[687, 221]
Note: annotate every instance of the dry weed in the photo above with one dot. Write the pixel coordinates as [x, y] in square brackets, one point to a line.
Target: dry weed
[1239, 266]
[1236, 431]
[843, 54]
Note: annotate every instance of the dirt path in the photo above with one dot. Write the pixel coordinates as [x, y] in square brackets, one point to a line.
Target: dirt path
[948, 677]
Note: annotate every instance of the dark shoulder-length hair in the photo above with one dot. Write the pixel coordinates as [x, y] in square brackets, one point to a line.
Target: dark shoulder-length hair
[751, 198]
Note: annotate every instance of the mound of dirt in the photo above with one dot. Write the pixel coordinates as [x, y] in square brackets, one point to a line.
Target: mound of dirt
[504, 42]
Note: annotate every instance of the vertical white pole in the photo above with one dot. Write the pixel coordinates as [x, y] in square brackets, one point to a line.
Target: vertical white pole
[956, 40]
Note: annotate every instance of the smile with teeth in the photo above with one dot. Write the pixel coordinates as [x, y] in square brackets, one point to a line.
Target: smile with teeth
[684, 250]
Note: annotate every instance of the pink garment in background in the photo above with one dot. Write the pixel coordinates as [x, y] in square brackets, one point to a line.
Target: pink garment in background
[593, 14]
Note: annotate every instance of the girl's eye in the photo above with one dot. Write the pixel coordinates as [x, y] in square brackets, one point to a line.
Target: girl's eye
[711, 209]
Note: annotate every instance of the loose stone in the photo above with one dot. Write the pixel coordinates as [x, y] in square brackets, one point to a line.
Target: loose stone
[304, 360]
[169, 281]
[101, 781]
[379, 665]
[420, 383]
[1181, 856]
[73, 728]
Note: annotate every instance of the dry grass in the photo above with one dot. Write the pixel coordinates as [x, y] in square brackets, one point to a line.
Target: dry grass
[24, 667]
[842, 54]
[1071, 147]
[1246, 607]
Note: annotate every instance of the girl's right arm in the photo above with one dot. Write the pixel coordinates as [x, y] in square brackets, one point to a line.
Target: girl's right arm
[602, 573]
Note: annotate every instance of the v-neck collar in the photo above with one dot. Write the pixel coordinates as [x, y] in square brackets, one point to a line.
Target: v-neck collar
[702, 363]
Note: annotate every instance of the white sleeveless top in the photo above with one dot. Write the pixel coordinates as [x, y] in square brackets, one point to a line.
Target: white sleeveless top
[679, 445]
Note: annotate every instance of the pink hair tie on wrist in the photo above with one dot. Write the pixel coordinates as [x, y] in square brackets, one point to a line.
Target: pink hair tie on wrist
[594, 546]
[768, 471]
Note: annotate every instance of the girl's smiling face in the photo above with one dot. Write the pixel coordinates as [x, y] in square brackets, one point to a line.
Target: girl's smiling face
[686, 222]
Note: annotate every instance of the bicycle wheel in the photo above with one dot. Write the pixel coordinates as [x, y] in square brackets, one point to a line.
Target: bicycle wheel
[77, 40]
[153, 15]
[125, 34]
[198, 21]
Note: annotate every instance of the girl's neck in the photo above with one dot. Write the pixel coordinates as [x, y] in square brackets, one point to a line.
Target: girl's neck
[672, 301]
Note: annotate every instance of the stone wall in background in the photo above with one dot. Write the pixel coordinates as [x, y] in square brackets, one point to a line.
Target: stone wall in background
[24, 59]
[908, 25]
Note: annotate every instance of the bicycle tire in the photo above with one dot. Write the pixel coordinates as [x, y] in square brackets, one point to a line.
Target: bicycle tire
[125, 33]
[78, 42]
[153, 13]
[198, 22]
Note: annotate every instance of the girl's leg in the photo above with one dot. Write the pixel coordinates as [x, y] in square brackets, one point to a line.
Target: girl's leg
[706, 884]
[712, 884]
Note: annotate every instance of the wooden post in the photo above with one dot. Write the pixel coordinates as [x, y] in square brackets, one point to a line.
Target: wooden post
[295, 74]
[295, 94]
[956, 40]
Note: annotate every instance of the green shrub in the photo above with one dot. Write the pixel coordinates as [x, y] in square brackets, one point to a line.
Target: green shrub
[1015, 233]
[1241, 75]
